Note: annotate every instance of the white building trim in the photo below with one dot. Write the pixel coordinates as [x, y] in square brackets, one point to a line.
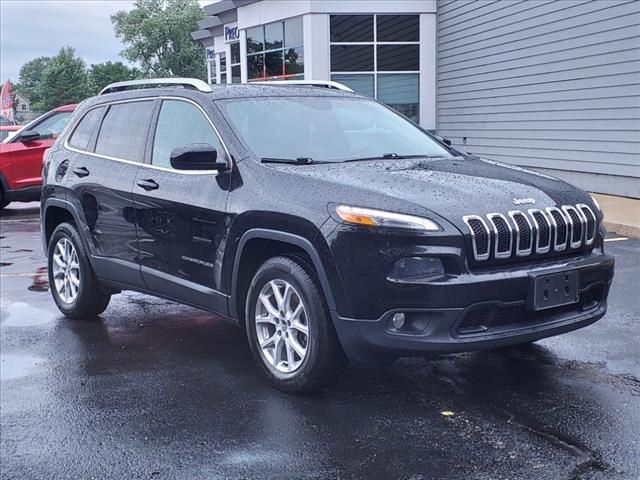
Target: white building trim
[428, 71]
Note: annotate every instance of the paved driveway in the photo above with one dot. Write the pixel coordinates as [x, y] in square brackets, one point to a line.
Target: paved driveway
[158, 390]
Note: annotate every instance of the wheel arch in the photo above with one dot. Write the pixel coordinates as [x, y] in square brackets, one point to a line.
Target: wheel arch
[54, 212]
[298, 244]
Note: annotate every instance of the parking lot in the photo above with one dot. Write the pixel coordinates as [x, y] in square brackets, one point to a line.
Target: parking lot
[153, 389]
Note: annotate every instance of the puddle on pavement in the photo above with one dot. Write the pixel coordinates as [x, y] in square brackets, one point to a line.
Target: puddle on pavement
[243, 457]
[22, 314]
[18, 366]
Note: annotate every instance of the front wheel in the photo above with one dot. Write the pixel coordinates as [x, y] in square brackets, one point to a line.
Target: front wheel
[74, 286]
[3, 201]
[289, 329]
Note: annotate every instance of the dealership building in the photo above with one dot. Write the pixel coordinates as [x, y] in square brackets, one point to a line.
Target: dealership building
[551, 85]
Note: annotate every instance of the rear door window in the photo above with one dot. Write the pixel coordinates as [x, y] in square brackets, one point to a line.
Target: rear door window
[81, 136]
[123, 134]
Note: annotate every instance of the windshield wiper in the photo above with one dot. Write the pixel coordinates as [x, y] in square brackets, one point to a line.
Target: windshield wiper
[289, 161]
[392, 156]
[309, 161]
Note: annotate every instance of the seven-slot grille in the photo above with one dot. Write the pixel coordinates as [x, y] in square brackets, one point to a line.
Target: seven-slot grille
[535, 231]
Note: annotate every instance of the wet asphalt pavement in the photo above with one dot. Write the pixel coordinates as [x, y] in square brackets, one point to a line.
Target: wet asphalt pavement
[153, 389]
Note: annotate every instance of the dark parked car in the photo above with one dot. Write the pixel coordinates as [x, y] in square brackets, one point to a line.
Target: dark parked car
[325, 224]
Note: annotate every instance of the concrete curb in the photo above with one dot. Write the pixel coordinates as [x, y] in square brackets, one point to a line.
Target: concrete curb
[630, 231]
[621, 214]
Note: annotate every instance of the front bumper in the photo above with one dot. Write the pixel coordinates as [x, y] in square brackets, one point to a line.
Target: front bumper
[502, 295]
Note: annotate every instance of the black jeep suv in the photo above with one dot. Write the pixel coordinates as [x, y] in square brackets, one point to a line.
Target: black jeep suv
[325, 224]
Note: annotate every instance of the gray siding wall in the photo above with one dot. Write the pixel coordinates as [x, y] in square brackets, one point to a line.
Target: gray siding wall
[553, 85]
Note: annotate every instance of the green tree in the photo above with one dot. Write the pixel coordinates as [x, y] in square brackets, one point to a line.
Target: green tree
[65, 80]
[31, 74]
[102, 74]
[156, 34]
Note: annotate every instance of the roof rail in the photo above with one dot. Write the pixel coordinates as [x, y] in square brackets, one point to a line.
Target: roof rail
[311, 83]
[190, 83]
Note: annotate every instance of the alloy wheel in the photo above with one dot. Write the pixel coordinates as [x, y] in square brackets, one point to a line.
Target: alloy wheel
[66, 270]
[282, 327]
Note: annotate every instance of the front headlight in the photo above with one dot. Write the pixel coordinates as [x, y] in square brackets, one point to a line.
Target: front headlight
[380, 218]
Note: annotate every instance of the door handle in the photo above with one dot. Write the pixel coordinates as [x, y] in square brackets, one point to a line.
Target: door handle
[81, 171]
[148, 184]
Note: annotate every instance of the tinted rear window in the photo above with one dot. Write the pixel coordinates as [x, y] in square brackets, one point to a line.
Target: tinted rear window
[84, 131]
[123, 133]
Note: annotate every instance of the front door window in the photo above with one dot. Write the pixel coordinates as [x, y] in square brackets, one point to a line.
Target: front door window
[180, 124]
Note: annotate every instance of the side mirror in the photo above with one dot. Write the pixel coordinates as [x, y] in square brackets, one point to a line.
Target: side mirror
[30, 136]
[197, 156]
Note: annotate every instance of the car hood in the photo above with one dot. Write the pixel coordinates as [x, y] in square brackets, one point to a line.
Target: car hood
[448, 187]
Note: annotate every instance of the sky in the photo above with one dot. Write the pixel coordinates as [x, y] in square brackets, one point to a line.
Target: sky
[34, 28]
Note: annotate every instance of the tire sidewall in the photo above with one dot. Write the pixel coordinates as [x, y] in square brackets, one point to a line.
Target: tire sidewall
[3, 201]
[272, 270]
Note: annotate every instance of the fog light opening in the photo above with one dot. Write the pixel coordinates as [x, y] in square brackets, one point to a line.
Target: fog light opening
[398, 320]
[416, 270]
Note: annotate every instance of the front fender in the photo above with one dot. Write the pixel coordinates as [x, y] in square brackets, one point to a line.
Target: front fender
[291, 239]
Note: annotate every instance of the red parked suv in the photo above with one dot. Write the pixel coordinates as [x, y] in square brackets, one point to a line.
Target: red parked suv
[21, 156]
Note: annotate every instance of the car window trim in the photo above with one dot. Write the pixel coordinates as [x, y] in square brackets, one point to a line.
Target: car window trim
[143, 162]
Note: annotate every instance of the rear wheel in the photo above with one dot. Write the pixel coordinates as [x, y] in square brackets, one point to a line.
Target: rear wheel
[289, 329]
[73, 284]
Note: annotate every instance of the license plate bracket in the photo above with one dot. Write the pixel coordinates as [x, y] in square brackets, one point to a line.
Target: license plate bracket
[553, 290]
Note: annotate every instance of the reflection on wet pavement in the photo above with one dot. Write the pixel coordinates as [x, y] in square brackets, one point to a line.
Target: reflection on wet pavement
[20, 314]
[18, 366]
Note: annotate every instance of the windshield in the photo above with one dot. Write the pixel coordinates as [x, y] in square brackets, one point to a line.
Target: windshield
[325, 129]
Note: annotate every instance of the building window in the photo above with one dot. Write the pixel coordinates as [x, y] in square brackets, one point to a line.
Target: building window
[275, 51]
[223, 67]
[211, 65]
[379, 56]
[234, 52]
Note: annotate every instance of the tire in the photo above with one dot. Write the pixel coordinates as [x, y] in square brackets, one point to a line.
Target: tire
[323, 361]
[90, 299]
[3, 202]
